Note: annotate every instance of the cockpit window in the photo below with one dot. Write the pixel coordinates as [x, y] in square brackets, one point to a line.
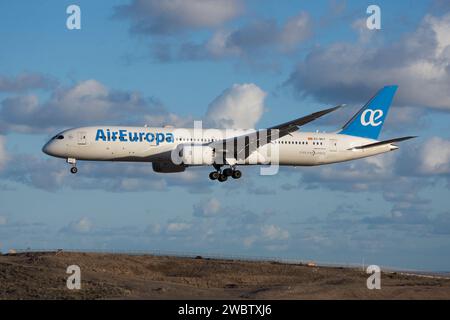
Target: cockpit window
[58, 137]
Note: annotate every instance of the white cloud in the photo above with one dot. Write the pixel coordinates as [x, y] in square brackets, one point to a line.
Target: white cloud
[352, 72]
[207, 208]
[240, 106]
[217, 45]
[366, 174]
[90, 102]
[177, 16]
[296, 30]
[272, 232]
[26, 81]
[52, 174]
[353, 173]
[365, 34]
[441, 27]
[154, 229]
[174, 227]
[249, 241]
[3, 154]
[251, 39]
[83, 103]
[84, 225]
[435, 156]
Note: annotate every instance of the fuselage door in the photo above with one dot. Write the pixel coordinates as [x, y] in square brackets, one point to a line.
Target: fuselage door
[332, 146]
[82, 137]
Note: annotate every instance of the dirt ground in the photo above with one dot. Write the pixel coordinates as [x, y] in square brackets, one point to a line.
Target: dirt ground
[121, 276]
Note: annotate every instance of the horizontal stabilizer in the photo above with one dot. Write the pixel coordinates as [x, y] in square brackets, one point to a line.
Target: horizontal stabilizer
[381, 143]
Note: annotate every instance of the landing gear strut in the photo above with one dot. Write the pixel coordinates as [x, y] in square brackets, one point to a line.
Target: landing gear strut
[222, 175]
[73, 162]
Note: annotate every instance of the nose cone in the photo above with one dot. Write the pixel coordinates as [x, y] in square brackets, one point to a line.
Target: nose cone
[47, 149]
[53, 148]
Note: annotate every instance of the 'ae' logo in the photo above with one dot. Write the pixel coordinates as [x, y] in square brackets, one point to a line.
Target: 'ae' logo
[371, 117]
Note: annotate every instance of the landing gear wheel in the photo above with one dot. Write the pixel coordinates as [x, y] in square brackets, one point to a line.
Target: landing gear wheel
[214, 175]
[228, 172]
[236, 174]
[222, 178]
[74, 170]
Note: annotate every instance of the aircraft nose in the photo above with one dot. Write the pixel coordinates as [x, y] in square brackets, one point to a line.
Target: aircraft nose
[51, 149]
[46, 148]
[55, 149]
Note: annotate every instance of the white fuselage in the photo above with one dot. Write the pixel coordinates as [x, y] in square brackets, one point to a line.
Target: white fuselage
[156, 144]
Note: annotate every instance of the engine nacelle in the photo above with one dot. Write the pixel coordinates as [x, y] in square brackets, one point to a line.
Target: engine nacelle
[197, 155]
[167, 167]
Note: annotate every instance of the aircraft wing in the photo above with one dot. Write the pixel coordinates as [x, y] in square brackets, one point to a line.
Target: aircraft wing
[292, 126]
[253, 140]
[382, 143]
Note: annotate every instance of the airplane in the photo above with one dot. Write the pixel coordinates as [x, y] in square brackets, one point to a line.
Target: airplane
[172, 150]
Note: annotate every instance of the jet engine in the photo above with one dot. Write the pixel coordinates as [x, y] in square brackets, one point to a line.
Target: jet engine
[167, 167]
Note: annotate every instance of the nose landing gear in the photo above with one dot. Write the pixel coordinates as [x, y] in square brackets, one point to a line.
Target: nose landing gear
[73, 162]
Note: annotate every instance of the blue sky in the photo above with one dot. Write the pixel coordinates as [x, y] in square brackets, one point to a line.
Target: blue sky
[137, 62]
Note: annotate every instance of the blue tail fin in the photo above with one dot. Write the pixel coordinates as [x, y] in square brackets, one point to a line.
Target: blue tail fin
[368, 121]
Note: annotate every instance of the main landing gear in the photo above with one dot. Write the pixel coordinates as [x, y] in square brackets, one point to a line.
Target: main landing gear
[222, 175]
[73, 162]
